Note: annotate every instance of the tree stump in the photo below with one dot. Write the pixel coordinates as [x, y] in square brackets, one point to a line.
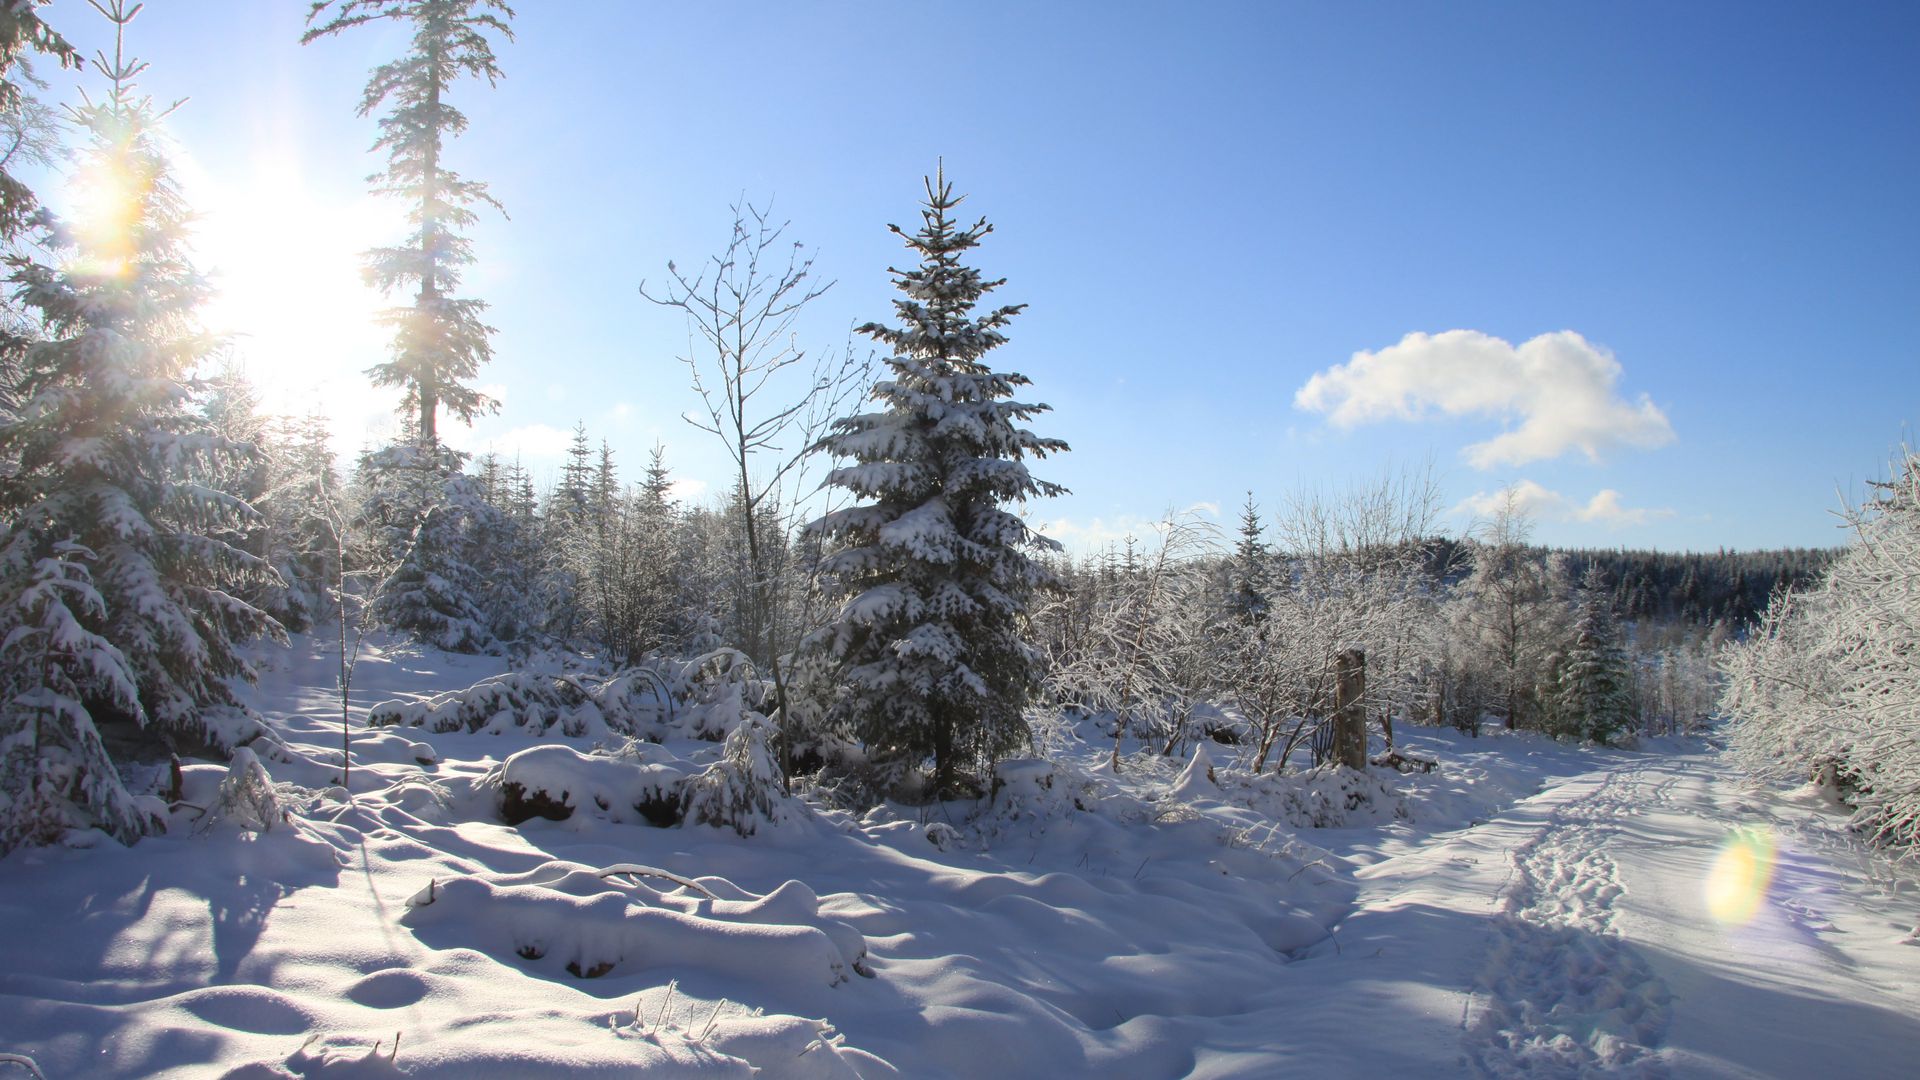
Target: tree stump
[1350, 712]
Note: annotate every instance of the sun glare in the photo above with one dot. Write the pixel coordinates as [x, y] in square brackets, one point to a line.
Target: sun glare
[1740, 877]
[285, 263]
[107, 203]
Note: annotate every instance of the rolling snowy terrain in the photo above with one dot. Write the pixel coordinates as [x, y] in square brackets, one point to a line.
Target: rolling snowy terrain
[1529, 909]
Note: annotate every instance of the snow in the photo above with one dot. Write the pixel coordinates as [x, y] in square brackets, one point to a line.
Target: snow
[1530, 908]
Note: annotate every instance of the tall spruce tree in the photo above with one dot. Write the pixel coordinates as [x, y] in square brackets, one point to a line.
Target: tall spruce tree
[928, 655]
[120, 576]
[1593, 698]
[439, 342]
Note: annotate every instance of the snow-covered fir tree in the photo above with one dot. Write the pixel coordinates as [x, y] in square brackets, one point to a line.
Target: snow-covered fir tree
[1593, 699]
[30, 135]
[928, 656]
[440, 341]
[231, 407]
[28, 125]
[435, 548]
[120, 583]
[1252, 569]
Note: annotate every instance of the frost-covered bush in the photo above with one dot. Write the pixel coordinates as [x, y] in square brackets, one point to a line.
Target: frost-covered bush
[1136, 640]
[1323, 797]
[1829, 687]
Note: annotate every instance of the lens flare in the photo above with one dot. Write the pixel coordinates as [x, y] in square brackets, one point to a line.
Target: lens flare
[1740, 876]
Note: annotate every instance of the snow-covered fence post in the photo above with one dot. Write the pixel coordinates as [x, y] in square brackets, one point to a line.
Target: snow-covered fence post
[1349, 713]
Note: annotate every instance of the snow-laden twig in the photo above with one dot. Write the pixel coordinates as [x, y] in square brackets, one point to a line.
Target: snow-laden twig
[24, 1062]
[636, 870]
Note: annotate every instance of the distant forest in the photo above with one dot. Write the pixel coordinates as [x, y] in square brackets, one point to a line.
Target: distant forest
[1703, 588]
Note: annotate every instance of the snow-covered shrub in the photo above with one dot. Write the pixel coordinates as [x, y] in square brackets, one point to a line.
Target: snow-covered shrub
[1323, 797]
[1830, 683]
[246, 796]
[1022, 782]
[1197, 780]
[555, 781]
[848, 777]
[561, 704]
[743, 790]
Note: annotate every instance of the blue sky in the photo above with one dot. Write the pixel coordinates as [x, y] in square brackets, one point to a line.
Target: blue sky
[1702, 217]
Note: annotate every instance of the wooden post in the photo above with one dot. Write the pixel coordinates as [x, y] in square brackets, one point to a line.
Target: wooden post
[1350, 712]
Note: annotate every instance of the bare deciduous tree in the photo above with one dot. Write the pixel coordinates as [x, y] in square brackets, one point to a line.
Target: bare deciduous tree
[767, 400]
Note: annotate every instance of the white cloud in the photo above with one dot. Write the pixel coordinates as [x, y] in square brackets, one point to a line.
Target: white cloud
[1101, 533]
[1534, 501]
[686, 489]
[1559, 386]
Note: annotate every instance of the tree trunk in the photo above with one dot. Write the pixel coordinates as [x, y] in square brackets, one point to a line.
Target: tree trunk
[1350, 712]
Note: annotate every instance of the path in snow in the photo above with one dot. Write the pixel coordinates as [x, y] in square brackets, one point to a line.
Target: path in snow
[1578, 927]
[1561, 992]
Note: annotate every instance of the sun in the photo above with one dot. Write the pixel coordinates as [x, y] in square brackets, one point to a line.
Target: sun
[284, 259]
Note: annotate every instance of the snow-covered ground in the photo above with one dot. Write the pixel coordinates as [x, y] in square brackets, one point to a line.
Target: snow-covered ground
[1530, 909]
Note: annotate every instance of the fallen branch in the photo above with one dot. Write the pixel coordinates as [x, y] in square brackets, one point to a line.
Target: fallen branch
[638, 871]
[1405, 763]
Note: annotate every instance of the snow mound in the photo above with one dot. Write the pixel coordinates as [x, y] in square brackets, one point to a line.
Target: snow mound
[569, 917]
[555, 781]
